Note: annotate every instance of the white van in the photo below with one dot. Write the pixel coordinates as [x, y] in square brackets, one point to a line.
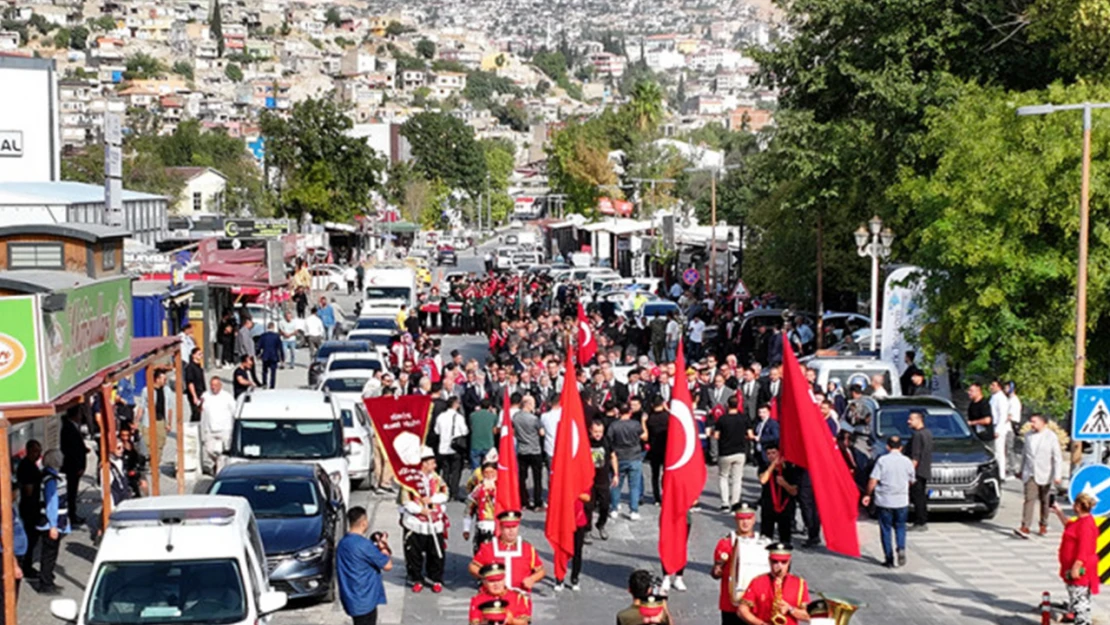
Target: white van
[195, 559]
[389, 287]
[293, 426]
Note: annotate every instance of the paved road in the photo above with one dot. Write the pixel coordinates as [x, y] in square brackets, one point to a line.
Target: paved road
[961, 571]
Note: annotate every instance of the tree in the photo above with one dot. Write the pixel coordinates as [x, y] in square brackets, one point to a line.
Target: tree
[103, 23]
[61, 39]
[395, 29]
[312, 153]
[332, 17]
[183, 69]
[233, 72]
[554, 64]
[426, 49]
[512, 115]
[143, 66]
[444, 148]
[499, 158]
[78, 37]
[482, 86]
[646, 106]
[216, 27]
[41, 24]
[578, 163]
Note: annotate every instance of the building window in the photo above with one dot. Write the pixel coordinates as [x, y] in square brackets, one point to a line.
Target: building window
[35, 256]
[108, 254]
[198, 203]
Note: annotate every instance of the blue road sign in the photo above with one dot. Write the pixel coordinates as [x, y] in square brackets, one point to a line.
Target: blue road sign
[1095, 479]
[1090, 414]
[690, 276]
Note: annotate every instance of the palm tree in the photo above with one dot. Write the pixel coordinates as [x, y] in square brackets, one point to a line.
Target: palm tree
[646, 105]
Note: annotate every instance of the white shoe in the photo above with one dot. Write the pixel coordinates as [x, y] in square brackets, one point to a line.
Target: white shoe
[635, 516]
[614, 515]
[559, 587]
[575, 587]
[679, 584]
[666, 587]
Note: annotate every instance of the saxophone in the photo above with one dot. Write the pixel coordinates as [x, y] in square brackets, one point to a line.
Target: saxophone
[777, 617]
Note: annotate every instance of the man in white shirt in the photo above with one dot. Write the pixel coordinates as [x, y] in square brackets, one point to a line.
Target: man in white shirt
[1014, 413]
[550, 422]
[313, 333]
[288, 330]
[674, 331]
[1000, 417]
[450, 424]
[696, 334]
[217, 418]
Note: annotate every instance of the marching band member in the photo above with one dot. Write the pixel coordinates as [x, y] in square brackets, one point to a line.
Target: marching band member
[739, 558]
[496, 602]
[424, 523]
[776, 598]
[523, 566]
[480, 507]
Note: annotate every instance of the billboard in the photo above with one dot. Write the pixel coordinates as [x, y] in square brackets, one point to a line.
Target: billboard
[20, 359]
[29, 142]
[92, 333]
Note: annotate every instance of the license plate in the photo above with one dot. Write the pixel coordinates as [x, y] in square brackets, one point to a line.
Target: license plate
[946, 493]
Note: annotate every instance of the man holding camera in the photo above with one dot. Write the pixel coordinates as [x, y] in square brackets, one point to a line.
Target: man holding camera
[359, 564]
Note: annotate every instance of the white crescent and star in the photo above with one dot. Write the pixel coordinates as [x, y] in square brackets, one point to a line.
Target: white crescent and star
[680, 411]
[585, 327]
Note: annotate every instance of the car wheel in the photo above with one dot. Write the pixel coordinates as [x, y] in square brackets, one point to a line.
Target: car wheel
[331, 286]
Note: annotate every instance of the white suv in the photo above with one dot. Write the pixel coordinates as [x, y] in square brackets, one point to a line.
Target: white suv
[291, 425]
[193, 559]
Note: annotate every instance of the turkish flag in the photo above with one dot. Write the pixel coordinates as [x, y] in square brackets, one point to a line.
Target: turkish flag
[508, 478]
[572, 472]
[806, 441]
[684, 473]
[587, 343]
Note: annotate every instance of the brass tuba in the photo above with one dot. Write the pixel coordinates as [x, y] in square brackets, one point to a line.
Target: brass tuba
[837, 609]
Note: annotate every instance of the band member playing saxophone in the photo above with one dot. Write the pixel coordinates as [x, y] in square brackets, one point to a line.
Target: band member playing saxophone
[777, 598]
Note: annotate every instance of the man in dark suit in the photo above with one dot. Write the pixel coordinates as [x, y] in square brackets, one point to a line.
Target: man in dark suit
[474, 393]
[766, 433]
[749, 393]
[772, 385]
[619, 389]
[74, 460]
[270, 348]
[718, 394]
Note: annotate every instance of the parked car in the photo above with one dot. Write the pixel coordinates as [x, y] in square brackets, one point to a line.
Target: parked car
[300, 518]
[328, 278]
[849, 370]
[964, 475]
[357, 435]
[177, 559]
[316, 367]
[447, 256]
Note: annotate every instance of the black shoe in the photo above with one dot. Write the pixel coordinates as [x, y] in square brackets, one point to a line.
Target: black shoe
[889, 564]
[76, 520]
[602, 533]
[725, 508]
[586, 540]
[812, 543]
[30, 572]
[919, 527]
[52, 589]
[901, 558]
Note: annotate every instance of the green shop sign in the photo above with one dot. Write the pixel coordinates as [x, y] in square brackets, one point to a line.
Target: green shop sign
[91, 334]
[20, 362]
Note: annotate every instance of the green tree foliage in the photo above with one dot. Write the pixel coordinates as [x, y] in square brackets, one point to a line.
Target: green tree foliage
[395, 29]
[61, 39]
[103, 23]
[141, 66]
[311, 150]
[554, 64]
[216, 27]
[78, 37]
[444, 148]
[183, 69]
[481, 87]
[646, 106]
[499, 159]
[233, 72]
[426, 49]
[512, 115]
[407, 61]
[1001, 215]
[332, 17]
[41, 24]
[578, 163]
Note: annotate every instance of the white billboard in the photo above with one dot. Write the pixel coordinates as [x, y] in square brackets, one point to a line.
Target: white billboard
[29, 147]
[903, 317]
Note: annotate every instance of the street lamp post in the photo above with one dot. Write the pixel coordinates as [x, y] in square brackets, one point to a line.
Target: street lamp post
[873, 240]
[1084, 224]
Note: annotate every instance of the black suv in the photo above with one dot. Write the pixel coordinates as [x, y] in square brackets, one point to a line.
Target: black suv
[964, 474]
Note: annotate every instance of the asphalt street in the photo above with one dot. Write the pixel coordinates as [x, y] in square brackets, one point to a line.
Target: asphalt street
[960, 571]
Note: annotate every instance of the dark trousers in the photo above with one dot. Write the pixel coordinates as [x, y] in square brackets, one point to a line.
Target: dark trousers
[656, 478]
[481, 537]
[366, 619]
[600, 502]
[451, 470]
[3, 619]
[421, 557]
[269, 373]
[731, 618]
[48, 558]
[531, 463]
[73, 484]
[769, 520]
[576, 561]
[918, 498]
[809, 508]
[30, 520]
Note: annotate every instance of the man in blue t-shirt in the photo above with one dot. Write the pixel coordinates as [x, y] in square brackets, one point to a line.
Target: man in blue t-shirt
[359, 563]
[327, 315]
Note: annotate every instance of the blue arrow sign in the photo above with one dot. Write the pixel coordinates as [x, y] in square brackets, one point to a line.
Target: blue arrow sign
[1095, 479]
[1091, 414]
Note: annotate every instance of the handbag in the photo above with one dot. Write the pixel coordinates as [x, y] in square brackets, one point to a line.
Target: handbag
[458, 443]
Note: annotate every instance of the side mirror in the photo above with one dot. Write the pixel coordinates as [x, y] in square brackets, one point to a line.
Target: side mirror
[271, 601]
[64, 609]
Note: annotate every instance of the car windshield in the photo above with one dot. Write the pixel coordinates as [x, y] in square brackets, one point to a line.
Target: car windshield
[182, 591]
[270, 498]
[355, 363]
[942, 422]
[327, 350]
[287, 438]
[344, 385]
[387, 292]
[376, 323]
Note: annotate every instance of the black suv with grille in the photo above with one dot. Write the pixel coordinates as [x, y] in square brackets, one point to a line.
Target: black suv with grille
[964, 473]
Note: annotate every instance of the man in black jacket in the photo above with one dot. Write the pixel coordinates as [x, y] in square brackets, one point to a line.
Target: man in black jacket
[733, 432]
[74, 460]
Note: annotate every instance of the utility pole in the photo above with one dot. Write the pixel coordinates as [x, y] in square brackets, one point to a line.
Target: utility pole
[713, 173]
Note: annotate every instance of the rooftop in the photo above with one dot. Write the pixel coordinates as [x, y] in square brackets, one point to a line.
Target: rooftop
[89, 233]
[66, 192]
[42, 280]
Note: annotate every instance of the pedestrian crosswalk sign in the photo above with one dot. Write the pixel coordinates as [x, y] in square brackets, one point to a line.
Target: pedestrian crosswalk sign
[1091, 414]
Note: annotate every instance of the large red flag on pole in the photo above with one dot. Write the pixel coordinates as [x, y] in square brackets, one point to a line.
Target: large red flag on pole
[508, 478]
[684, 475]
[572, 472]
[807, 442]
[587, 343]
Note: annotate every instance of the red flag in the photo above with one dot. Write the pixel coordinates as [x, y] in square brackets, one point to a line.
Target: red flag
[684, 475]
[508, 478]
[572, 472]
[400, 426]
[807, 442]
[587, 344]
